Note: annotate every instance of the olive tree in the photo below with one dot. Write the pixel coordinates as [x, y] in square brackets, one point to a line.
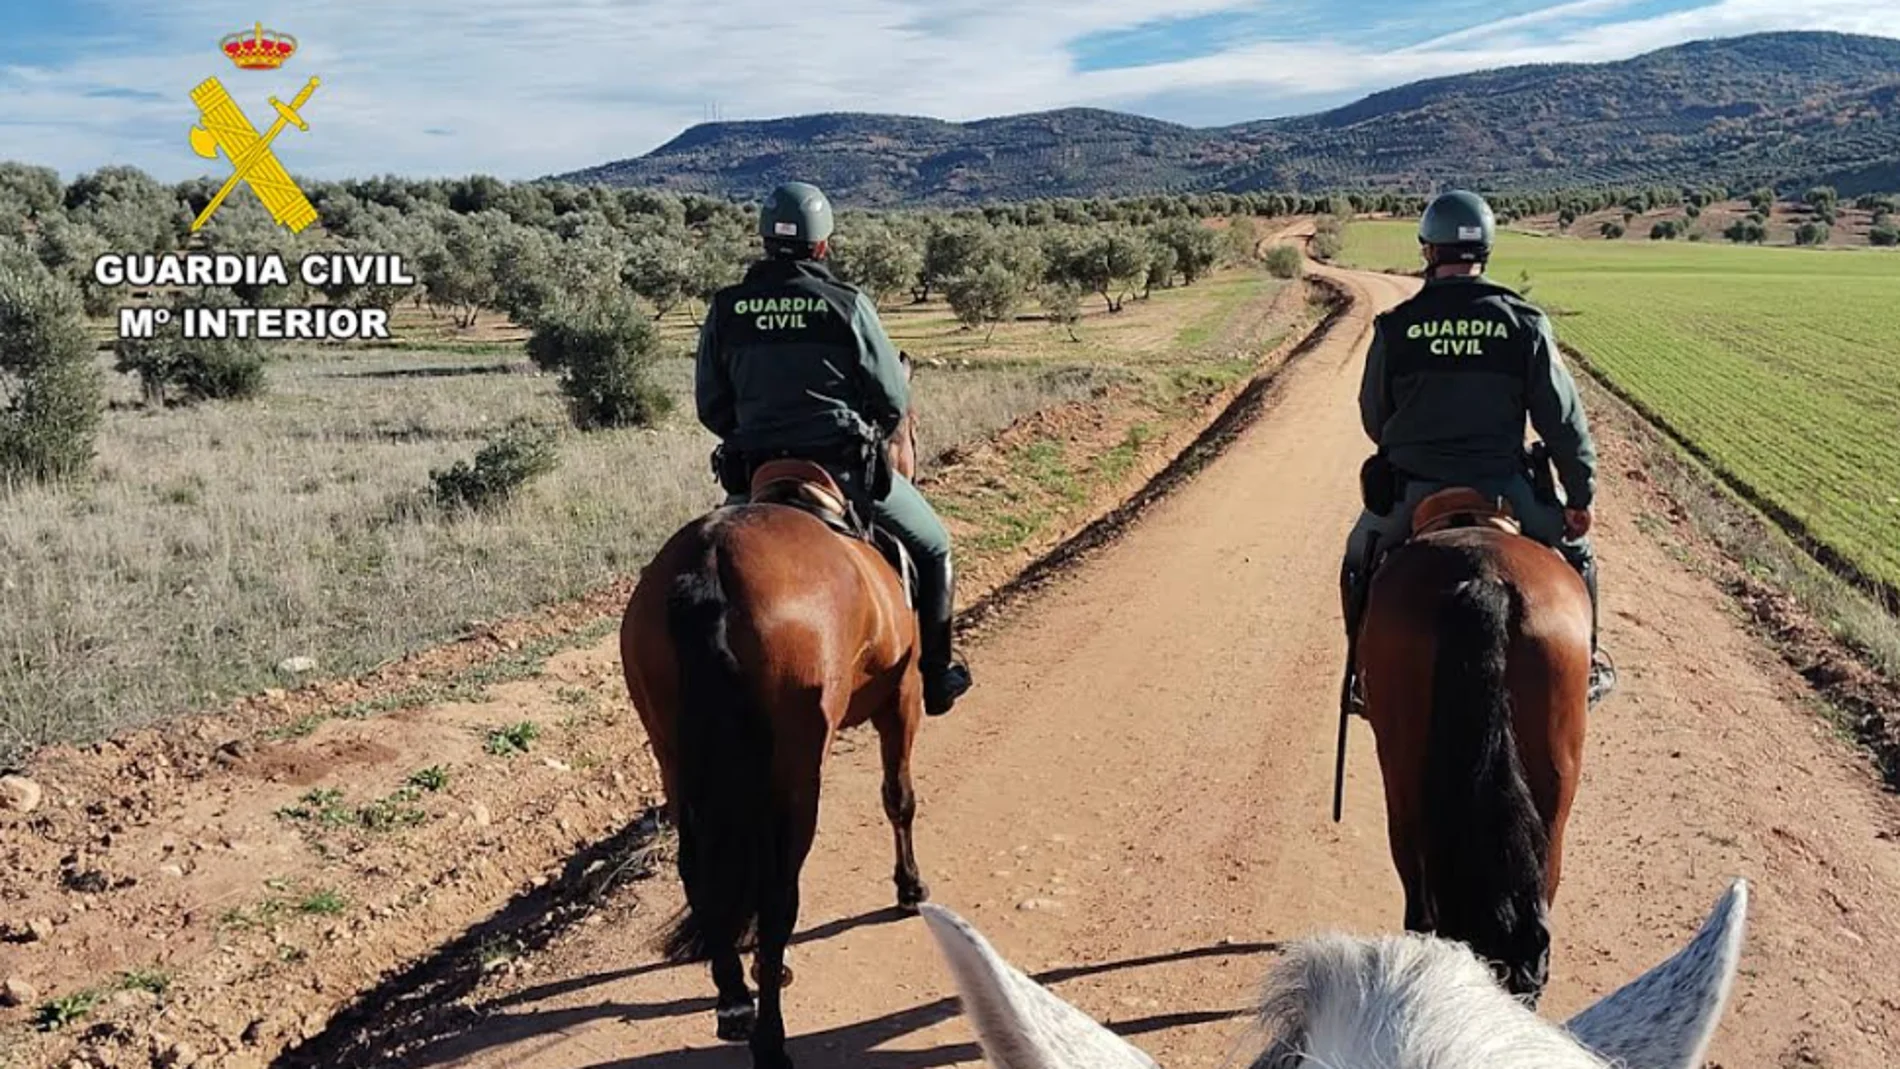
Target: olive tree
[877, 259]
[987, 296]
[49, 387]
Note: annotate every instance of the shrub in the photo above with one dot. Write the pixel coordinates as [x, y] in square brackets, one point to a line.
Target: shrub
[1328, 240]
[1885, 234]
[1612, 231]
[1810, 233]
[1667, 230]
[173, 369]
[48, 384]
[1240, 243]
[604, 345]
[506, 463]
[1285, 261]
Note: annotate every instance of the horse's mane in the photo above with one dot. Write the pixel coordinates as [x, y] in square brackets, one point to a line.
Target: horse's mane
[1402, 1002]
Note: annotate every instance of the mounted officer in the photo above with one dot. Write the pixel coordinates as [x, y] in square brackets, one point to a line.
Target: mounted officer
[1450, 378]
[794, 363]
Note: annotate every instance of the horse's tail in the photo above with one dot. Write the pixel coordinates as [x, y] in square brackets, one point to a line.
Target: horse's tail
[727, 833]
[1487, 849]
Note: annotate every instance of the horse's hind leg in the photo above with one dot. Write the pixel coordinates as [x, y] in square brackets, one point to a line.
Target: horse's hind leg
[897, 732]
[735, 1012]
[778, 918]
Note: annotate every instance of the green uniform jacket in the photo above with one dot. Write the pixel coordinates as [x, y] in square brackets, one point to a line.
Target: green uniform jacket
[792, 358]
[1450, 378]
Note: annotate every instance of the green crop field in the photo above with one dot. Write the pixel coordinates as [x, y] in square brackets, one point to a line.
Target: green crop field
[1781, 366]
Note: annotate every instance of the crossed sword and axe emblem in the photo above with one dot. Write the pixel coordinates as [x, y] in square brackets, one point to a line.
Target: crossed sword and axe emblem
[226, 127]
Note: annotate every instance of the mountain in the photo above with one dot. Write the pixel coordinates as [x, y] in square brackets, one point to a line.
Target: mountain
[1780, 108]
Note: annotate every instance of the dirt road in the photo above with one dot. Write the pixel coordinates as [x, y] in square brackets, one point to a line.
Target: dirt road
[1135, 802]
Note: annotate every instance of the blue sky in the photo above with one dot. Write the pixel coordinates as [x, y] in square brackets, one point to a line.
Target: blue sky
[522, 88]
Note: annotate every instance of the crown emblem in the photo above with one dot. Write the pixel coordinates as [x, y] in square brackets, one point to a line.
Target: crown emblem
[259, 49]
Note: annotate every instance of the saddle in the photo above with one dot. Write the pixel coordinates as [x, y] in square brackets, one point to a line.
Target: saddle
[1460, 506]
[808, 487]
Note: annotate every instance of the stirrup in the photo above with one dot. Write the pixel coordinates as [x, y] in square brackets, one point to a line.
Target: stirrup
[943, 688]
[1602, 676]
[1356, 695]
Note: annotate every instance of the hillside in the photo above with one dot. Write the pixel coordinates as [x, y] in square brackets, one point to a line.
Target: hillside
[1785, 108]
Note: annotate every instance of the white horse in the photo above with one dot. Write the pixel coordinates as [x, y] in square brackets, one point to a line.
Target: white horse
[1393, 1002]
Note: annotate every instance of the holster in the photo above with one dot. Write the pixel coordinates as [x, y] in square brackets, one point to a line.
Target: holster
[878, 475]
[1380, 484]
[1542, 477]
[732, 469]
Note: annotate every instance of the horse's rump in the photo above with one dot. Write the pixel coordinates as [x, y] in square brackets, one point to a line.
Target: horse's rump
[1474, 640]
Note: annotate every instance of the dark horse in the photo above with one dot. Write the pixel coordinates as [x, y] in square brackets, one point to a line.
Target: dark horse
[756, 635]
[1475, 656]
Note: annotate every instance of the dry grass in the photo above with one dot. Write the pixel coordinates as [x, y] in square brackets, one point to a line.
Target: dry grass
[217, 541]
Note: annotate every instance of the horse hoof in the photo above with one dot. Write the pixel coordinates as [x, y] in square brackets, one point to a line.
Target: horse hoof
[909, 898]
[735, 1023]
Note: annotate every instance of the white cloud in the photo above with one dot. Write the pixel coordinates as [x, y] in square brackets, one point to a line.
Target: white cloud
[525, 88]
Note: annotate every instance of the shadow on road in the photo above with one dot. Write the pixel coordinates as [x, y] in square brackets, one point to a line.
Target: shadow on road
[852, 1045]
[423, 1002]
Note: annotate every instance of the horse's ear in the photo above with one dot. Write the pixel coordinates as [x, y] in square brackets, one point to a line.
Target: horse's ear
[1665, 1018]
[1019, 1023]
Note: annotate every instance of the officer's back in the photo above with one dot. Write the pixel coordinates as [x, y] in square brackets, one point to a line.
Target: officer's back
[1457, 361]
[786, 336]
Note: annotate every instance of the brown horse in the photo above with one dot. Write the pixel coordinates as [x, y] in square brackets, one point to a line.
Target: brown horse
[1475, 657]
[755, 636]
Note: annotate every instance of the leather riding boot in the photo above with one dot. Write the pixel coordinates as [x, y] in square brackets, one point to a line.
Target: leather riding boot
[1602, 671]
[1351, 600]
[945, 678]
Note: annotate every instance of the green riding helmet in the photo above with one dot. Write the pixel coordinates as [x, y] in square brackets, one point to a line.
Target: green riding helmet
[796, 213]
[1461, 224]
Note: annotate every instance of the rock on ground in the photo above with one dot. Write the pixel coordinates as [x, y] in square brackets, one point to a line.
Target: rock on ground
[19, 795]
